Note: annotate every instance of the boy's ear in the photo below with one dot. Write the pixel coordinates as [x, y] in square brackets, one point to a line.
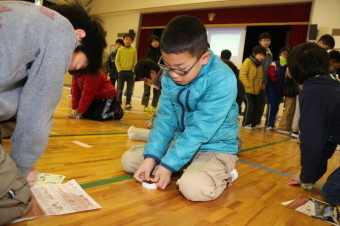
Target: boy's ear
[205, 58]
[80, 33]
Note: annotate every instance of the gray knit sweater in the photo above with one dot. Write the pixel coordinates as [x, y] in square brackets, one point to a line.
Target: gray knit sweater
[36, 45]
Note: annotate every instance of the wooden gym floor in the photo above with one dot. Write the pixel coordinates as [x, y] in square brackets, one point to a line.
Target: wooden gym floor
[267, 160]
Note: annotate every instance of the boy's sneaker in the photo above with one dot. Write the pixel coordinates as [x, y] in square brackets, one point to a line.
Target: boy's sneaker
[234, 175]
[247, 127]
[283, 131]
[153, 109]
[258, 127]
[294, 135]
[146, 109]
[270, 128]
[128, 106]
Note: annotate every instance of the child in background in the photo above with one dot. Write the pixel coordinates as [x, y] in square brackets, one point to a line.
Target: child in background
[93, 97]
[291, 91]
[110, 62]
[319, 135]
[326, 41]
[125, 61]
[276, 74]
[240, 87]
[251, 75]
[197, 112]
[153, 53]
[334, 63]
[148, 71]
[265, 40]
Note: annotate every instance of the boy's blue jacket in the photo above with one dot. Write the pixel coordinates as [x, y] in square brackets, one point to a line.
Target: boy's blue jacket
[200, 116]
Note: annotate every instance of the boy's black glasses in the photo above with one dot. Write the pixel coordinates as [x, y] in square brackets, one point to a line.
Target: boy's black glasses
[176, 70]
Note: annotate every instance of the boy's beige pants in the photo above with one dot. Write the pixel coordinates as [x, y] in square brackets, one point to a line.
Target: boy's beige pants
[204, 179]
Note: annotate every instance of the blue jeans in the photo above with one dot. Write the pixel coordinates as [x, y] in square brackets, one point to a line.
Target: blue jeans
[125, 76]
[331, 189]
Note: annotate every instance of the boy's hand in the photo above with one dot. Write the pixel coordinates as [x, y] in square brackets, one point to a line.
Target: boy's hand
[74, 114]
[162, 177]
[32, 176]
[295, 180]
[144, 170]
[148, 124]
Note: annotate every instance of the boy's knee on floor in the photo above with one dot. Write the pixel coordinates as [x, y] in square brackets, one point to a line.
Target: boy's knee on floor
[196, 188]
[127, 162]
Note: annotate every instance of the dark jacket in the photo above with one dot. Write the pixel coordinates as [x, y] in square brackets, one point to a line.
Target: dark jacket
[319, 125]
[153, 54]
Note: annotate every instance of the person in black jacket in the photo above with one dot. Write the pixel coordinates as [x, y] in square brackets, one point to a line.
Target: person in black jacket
[110, 62]
[240, 87]
[319, 100]
[153, 53]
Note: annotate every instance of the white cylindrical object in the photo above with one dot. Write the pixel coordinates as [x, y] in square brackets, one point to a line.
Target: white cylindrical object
[138, 133]
[149, 185]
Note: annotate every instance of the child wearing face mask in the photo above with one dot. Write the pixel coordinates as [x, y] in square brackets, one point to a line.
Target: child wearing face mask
[276, 82]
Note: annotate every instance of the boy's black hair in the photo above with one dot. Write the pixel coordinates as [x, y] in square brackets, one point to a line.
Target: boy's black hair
[129, 35]
[327, 40]
[152, 37]
[334, 55]
[282, 50]
[185, 34]
[93, 44]
[120, 41]
[259, 50]
[143, 67]
[226, 54]
[307, 60]
[265, 35]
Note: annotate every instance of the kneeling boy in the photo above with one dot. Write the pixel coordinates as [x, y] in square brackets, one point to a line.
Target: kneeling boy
[197, 112]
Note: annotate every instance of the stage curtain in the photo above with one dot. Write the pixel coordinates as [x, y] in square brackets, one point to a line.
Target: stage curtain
[298, 35]
[143, 43]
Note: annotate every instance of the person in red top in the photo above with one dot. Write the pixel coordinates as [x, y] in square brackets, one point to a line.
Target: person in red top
[94, 97]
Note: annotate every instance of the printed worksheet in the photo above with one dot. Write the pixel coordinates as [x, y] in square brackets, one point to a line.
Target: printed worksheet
[58, 199]
[45, 178]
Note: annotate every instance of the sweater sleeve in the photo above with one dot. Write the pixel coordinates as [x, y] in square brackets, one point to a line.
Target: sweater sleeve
[134, 60]
[75, 91]
[314, 123]
[118, 61]
[271, 72]
[243, 75]
[38, 100]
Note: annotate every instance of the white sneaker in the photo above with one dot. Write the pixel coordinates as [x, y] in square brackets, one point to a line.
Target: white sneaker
[283, 131]
[248, 127]
[294, 135]
[270, 128]
[258, 127]
[234, 175]
[128, 106]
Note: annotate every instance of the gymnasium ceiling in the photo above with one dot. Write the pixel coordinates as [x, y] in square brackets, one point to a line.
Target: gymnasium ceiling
[150, 6]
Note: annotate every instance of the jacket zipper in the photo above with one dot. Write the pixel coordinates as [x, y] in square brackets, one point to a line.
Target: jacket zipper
[181, 123]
